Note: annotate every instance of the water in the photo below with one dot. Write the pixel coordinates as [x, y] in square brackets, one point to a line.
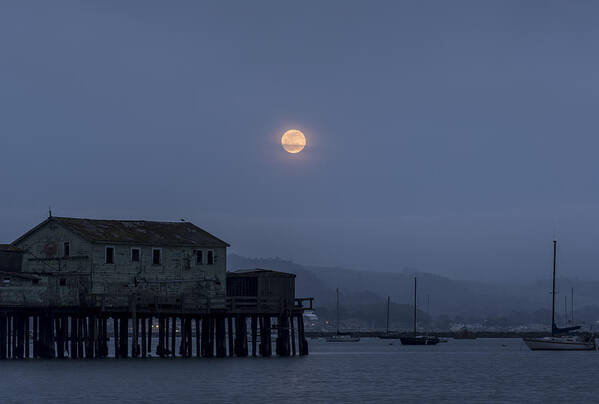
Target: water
[372, 370]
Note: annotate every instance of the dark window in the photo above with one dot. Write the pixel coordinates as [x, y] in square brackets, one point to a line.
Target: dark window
[67, 248]
[199, 257]
[110, 255]
[210, 257]
[135, 254]
[36, 281]
[63, 282]
[6, 280]
[156, 256]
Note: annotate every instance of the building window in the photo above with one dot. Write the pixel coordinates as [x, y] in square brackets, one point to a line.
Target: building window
[35, 281]
[199, 257]
[63, 282]
[156, 258]
[67, 249]
[6, 281]
[210, 256]
[135, 253]
[110, 255]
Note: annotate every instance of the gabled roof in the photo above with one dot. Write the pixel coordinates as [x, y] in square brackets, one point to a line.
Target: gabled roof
[260, 272]
[140, 232]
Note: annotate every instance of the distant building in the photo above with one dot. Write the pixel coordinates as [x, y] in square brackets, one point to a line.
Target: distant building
[106, 262]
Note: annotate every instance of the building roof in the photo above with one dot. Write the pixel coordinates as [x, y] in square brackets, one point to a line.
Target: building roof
[10, 248]
[260, 272]
[140, 232]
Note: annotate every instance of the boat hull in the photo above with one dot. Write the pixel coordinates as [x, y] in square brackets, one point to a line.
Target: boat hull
[559, 344]
[419, 340]
[343, 339]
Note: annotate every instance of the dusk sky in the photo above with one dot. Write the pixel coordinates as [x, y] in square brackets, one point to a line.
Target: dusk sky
[450, 137]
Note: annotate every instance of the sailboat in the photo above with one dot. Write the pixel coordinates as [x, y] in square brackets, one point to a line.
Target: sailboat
[418, 339]
[387, 334]
[560, 339]
[339, 337]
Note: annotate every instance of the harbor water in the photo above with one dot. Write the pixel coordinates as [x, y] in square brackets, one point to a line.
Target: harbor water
[372, 370]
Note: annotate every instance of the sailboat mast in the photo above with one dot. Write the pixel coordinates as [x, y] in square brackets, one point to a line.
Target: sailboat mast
[553, 288]
[414, 305]
[337, 311]
[388, 300]
[572, 306]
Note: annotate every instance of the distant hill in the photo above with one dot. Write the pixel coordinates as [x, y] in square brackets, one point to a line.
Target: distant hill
[528, 302]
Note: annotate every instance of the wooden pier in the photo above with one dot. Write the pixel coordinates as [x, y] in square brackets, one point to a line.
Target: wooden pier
[76, 333]
[88, 288]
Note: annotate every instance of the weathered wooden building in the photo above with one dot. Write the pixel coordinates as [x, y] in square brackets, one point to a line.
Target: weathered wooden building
[108, 261]
[66, 277]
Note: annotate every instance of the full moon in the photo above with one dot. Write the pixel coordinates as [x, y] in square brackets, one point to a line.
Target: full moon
[293, 141]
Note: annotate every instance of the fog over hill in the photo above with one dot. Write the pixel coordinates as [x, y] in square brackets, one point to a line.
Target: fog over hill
[517, 301]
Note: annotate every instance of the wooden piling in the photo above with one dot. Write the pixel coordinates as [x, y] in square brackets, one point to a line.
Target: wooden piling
[144, 340]
[3, 329]
[124, 336]
[292, 329]
[115, 334]
[254, 335]
[59, 338]
[182, 346]
[230, 334]
[80, 336]
[150, 326]
[173, 336]
[198, 339]
[241, 341]
[34, 337]
[303, 344]
[221, 348]
[104, 336]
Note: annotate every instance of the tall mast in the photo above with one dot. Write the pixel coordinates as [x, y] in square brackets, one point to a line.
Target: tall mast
[414, 305]
[572, 306]
[553, 289]
[388, 300]
[337, 311]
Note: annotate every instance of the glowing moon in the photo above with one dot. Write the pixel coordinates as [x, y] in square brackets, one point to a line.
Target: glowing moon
[293, 141]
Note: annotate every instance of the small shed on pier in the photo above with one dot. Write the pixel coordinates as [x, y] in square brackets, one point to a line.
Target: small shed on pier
[262, 287]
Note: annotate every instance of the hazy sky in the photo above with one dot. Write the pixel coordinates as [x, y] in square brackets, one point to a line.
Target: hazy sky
[451, 137]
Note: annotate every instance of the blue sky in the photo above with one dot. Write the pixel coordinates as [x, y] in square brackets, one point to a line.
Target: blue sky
[452, 137]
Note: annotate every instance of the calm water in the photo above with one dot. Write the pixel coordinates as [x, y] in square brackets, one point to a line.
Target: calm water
[372, 370]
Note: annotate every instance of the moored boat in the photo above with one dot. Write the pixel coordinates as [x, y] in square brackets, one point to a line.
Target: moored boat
[563, 343]
[341, 337]
[418, 339]
[560, 339]
[389, 335]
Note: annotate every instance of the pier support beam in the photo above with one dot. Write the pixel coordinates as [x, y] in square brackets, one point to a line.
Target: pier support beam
[241, 340]
[283, 335]
[265, 337]
[254, 335]
[124, 336]
[221, 348]
[3, 330]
